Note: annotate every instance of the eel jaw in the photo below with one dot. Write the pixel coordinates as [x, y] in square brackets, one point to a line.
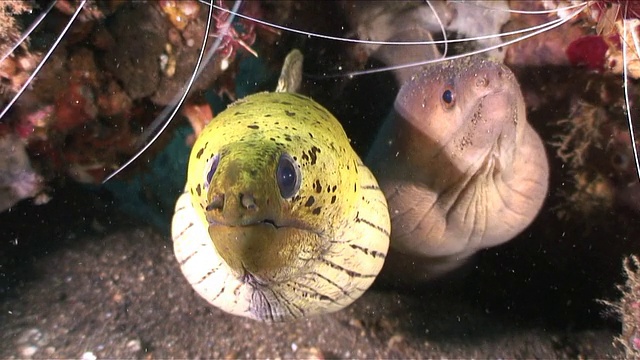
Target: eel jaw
[270, 222]
[264, 251]
[293, 224]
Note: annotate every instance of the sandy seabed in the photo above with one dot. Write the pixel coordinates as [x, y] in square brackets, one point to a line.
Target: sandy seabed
[97, 286]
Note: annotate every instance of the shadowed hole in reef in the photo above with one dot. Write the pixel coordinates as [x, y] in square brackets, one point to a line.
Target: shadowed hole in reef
[31, 232]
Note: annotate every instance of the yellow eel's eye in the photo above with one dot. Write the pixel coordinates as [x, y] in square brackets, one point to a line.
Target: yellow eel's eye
[288, 176]
[210, 169]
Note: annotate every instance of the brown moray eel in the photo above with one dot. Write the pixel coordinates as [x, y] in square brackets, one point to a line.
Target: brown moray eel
[460, 166]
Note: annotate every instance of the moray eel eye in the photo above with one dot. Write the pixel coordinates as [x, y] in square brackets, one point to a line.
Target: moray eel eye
[288, 176]
[210, 169]
[448, 98]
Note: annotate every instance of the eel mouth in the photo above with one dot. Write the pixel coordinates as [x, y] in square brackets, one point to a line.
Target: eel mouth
[267, 223]
[250, 223]
[263, 251]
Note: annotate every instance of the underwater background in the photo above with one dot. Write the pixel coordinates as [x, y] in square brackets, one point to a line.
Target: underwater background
[87, 270]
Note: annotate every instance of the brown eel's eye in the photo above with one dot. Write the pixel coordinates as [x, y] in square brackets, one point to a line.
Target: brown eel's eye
[448, 98]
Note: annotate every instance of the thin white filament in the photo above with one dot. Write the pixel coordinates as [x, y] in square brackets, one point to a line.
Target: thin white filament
[44, 60]
[444, 32]
[379, 42]
[29, 30]
[634, 148]
[479, 51]
[526, 12]
[174, 110]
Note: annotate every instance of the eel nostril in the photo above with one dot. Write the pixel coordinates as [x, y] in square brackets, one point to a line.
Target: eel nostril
[217, 203]
[482, 81]
[248, 201]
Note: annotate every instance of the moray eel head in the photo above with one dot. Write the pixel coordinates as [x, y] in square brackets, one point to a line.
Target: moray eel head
[467, 108]
[279, 219]
[249, 210]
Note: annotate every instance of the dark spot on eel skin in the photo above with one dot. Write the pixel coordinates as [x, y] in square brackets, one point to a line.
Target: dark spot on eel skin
[333, 199]
[318, 107]
[310, 201]
[290, 113]
[238, 113]
[316, 211]
[199, 154]
[253, 126]
[312, 154]
[287, 138]
[317, 186]
[199, 190]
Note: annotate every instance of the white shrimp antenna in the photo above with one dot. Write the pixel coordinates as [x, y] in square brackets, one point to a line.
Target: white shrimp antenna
[44, 60]
[29, 30]
[442, 29]
[530, 32]
[161, 121]
[538, 30]
[625, 80]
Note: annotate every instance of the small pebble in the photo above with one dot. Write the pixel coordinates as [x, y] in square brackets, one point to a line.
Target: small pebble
[394, 341]
[134, 345]
[311, 353]
[88, 356]
[28, 351]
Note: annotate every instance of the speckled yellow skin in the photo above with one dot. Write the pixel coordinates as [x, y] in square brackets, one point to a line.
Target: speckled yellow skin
[281, 259]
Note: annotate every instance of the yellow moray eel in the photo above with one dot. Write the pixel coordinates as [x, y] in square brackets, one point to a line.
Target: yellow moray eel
[279, 219]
